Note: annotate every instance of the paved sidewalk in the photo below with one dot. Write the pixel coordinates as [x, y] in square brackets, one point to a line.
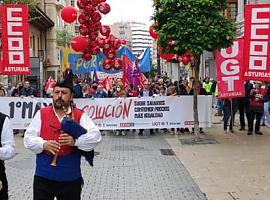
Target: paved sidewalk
[128, 168]
[235, 169]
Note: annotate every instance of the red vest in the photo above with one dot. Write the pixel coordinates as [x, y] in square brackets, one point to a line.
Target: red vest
[50, 127]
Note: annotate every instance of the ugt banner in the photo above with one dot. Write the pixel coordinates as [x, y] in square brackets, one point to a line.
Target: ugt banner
[15, 40]
[257, 38]
[229, 64]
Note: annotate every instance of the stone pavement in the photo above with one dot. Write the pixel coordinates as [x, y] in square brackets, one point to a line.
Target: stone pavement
[128, 167]
[237, 168]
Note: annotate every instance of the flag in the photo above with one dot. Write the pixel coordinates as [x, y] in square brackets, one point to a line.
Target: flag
[131, 72]
[49, 85]
[144, 61]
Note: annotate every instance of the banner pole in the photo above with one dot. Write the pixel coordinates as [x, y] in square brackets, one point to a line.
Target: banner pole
[232, 121]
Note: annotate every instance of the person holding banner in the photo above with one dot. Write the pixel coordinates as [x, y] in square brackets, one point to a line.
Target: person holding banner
[243, 105]
[58, 170]
[229, 110]
[7, 151]
[257, 98]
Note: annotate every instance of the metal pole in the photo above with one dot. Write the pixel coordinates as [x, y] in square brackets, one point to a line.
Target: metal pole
[232, 120]
[40, 76]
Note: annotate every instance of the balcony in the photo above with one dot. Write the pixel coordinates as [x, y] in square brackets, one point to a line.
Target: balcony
[41, 20]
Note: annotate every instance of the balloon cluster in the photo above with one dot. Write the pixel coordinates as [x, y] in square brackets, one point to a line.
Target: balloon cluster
[186, 58]
[94, 37]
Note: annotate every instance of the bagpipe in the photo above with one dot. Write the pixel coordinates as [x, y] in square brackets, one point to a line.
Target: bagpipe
[71, 127]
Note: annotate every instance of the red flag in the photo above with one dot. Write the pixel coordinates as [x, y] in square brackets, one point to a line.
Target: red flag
[15, 40]
[229, 64]
[49, 84]
[126, 64]
[257, 42]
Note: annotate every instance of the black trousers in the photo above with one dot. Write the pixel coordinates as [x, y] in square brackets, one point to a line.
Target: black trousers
[228, 115]
[3, 179]
[243, 107]
[252, 116]
[45, 189]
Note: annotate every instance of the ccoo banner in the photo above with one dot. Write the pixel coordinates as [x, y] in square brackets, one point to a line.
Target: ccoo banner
[257, 38]
[229, 64]
[119, 113]
[15, 40]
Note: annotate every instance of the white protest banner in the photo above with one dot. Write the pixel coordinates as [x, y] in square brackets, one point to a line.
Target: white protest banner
[119, 113]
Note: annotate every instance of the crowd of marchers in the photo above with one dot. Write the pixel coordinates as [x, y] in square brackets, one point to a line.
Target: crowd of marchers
[253, 107]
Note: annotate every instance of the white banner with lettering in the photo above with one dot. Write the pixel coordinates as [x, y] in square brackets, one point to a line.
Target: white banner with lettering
[119, 113]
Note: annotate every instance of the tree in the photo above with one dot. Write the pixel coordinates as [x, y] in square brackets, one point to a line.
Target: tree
[195, 26]
[63, 38]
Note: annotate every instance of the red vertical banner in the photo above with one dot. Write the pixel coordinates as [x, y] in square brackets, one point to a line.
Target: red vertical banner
[257, 41]
[229, 65]
[15, 40]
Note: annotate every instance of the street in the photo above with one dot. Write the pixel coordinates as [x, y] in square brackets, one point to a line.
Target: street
[127, 167]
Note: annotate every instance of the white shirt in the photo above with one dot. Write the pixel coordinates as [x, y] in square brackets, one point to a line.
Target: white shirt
[7, 150]
[85, 142]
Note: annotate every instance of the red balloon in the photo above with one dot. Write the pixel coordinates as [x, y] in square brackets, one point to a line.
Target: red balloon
[107, 64]
[105, 30]
[168, 56]
[116, 44]
[89, 9]
[93, 36]
[117, 63]
[96, 16]
[165, 56]
[107, 44]
[78, 43]
[111, 54]
[81, 4]
[152, 32]
[179, 58]
[94, 2]
[83, 29]
[123, 42]
[86, 56]
[97, 26]
[101, 42]
[69, 14]
[185, 59]
[104, 8]
[101, 1]
[96, 50]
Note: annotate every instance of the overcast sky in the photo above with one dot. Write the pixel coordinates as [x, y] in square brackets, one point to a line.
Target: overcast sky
[123, 10]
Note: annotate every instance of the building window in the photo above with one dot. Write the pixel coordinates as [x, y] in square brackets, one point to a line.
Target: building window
[72, 3]
[232, 10]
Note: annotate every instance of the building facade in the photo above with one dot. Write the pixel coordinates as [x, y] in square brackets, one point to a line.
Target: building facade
[135, 33]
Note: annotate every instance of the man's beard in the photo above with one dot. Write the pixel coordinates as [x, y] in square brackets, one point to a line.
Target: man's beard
[60, 103]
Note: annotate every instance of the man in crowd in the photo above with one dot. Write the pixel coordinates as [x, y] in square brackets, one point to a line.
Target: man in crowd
[27, 90]
[146, 92]
[7, 151]
[257, 98]
[45, 138]
[243, 105]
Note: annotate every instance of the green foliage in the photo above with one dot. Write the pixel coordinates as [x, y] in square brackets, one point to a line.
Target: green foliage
[195, 25]
[152, 72]
[31, 5]
[63, 38]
